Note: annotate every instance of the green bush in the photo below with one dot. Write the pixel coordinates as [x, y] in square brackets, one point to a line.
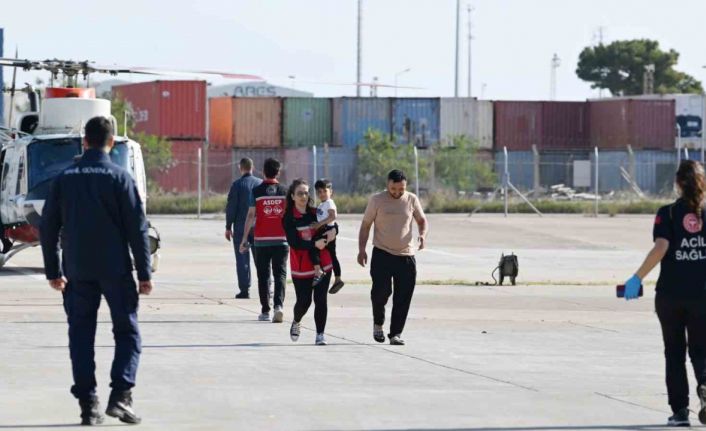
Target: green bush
[185, 204]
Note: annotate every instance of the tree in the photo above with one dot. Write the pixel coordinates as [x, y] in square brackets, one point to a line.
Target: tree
[378, 156]
[156, 150]
[620, 67]
[458, 168]
[119, 107]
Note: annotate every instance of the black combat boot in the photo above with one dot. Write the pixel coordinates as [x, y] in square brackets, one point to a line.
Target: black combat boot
[120, 406]
[91, 411]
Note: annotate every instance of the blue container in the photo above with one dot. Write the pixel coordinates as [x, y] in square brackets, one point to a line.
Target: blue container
[342, 164]
[520, 167]
[416, 121]
[354, 116]
[558, 167]
[654, 171]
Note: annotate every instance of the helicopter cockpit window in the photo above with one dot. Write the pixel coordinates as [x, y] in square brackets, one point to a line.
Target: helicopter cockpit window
[20, 174]
[5, 174]
[120, 154]
[48, 157]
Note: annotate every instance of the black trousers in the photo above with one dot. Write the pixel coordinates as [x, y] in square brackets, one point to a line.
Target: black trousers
[387, 270]
[683, 324]
[81, 302]
[274, 256]
[304, 291]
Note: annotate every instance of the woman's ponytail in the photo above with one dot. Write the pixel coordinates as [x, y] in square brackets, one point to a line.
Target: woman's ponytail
[692, 182]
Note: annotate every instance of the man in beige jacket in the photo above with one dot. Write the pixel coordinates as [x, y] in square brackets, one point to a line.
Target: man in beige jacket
[393, 212]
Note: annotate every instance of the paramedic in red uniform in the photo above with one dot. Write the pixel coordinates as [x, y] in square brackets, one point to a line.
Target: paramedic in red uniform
[298, 218]
[267, 204]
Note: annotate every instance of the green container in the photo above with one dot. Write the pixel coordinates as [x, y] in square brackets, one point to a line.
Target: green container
[307, 122]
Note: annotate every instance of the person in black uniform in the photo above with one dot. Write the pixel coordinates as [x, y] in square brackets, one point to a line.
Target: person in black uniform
[680, 301]
[95, 209]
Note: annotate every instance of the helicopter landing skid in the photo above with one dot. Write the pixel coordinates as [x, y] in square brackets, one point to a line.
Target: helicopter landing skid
[4, 257]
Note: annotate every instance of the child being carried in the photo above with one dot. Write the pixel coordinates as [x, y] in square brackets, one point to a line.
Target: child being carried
[326, 215]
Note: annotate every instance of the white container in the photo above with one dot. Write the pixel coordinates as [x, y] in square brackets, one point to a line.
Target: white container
[470, 117]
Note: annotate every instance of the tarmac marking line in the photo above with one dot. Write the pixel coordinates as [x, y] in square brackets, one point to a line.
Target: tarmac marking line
[628, 402]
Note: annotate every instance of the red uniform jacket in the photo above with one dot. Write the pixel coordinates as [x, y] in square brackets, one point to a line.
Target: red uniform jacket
[299, 237]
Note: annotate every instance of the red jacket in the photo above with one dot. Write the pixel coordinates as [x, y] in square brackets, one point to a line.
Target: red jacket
[299, 235]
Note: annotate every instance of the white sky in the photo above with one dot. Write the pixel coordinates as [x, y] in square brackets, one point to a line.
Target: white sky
[315, 40]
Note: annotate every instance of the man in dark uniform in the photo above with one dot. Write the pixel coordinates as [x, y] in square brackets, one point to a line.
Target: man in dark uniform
[236, 214]
[95, 209]
[267, 204]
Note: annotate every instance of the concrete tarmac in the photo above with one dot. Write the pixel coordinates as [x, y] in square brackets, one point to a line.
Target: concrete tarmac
[558, 351]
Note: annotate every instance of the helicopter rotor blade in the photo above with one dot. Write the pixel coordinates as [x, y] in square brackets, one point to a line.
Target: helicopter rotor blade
[12, 92]
[159, 71]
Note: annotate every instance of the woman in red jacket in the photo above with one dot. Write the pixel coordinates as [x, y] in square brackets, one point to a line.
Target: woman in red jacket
[299, 215]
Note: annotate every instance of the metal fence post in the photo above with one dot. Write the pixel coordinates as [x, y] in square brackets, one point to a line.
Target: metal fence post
[314, 157]
[631, 162]
[678, 145]
[199, 159]
[536, 171]
[416, 171]
[596, 184]
[506, 180]
[326, 161]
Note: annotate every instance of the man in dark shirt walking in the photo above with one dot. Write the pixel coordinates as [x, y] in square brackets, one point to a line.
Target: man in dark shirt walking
[95, 209]
[267, 205]
[236, 214]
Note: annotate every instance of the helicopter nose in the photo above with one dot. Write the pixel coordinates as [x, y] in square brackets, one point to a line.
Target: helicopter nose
[33, 211]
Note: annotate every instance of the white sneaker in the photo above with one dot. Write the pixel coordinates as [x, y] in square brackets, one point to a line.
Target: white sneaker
[295, 330]
[264, 317]
[278, 316]
[320, 340]
[396, 340]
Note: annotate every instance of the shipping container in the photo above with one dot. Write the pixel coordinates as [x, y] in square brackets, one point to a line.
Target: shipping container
[520, 168]
[171, 109]
[246, 122]
[557, 167]
[182, 174]
[547, 125]
[220, 125]
[339, 165]
[258, 156]
[353, 117]
[222, 169]
[653, 171]
[565, 126]
[689, 113]
[416, 121]
[468, 117]
[518, 125]
[642, 124]
[306, 122]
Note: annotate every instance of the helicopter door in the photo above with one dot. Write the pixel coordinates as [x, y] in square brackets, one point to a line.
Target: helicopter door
[3, 172]
[8, 187]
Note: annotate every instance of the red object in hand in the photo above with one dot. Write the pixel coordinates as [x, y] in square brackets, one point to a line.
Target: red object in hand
[620, 291]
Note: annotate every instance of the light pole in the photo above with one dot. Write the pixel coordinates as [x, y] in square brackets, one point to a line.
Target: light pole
[401, 72]
[293, 77]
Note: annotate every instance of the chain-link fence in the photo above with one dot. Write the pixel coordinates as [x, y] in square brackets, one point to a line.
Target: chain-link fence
[611, 173]
[454, 172]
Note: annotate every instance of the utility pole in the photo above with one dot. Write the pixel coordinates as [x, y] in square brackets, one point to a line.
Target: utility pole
[458, 30]
[598, 35]
[470, 38]
[359, 73]
[556, 62]
[648, 79]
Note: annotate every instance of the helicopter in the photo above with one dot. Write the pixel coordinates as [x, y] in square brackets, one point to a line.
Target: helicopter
[48, 139]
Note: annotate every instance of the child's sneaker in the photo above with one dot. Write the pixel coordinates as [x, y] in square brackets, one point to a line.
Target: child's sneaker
[337, 285]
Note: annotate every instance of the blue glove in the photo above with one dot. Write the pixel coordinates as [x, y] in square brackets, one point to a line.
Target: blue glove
[632, 288]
